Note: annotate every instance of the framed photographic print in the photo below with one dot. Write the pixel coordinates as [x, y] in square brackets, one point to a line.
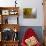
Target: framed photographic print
[5, 12]
[29, 13]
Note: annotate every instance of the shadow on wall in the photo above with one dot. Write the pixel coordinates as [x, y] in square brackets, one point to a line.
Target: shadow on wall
[37, 29]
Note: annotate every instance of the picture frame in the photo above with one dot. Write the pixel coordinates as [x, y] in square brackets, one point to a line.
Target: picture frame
[5, 12]
[29, 12]
[13, 12]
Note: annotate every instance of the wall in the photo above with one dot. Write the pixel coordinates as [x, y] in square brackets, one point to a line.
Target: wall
[27, 3]
[32, 22]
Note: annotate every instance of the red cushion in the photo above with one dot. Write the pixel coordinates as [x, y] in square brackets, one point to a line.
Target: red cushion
[29, 33]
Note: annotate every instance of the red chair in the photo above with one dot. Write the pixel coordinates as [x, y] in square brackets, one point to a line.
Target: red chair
[29, 33]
